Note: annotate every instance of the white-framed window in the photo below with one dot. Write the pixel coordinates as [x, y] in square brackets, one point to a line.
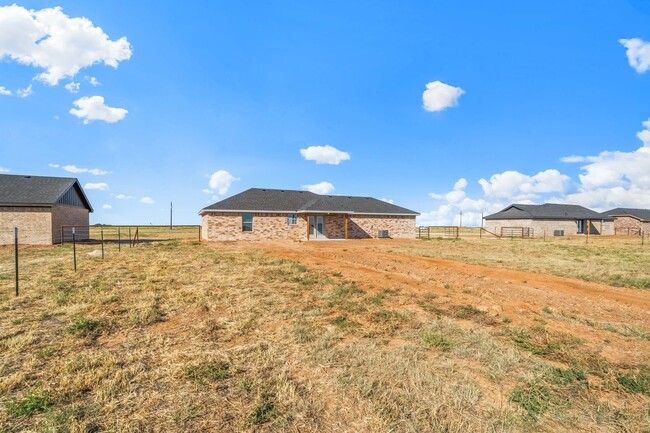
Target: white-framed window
[581, 226]
[292, 219]
[247, 222]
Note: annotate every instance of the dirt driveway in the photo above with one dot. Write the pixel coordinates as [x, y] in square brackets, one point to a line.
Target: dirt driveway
[612, 321]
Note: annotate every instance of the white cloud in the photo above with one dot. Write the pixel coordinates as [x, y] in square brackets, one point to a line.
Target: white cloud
[79, 170]
[147, 200]
[607, 180]
[439, 96]
[4, 170]
[100, 186]
[107, 206]
[519, 186]
[53, 41]
[572, 159]
[122, 196]
[23, 93]
[638, 53]
[93, 81]
[4, 91]
[55, 117]
[320, 188]
[220, 181]
[324, 154]
[93, 108]
[387, 200]
[72, 87]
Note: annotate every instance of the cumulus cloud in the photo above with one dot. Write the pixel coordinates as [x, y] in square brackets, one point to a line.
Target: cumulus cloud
[107, 206]
[147, 200]
[122, 196]
[93, 108]
[440, 96]
[320, 188]
[324, 154]
[100, 186]
[638, 53]
[80, 170]
[23, 93]
[93, 81]
[387, 200]
[60, 45]
[4, 170]
[73, 87]
[220, 182]
[4, 91]
[607, 180]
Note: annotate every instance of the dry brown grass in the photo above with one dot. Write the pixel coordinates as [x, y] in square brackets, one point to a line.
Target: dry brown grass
[180, 336]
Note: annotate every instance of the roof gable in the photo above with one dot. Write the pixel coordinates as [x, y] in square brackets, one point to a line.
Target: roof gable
[276, 200]
[640, 214]
[20, 190]
[552, 211]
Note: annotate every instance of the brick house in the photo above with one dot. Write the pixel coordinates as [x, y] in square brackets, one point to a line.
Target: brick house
[548, 219]
[39, 206]
[258, 214]
[630, 221]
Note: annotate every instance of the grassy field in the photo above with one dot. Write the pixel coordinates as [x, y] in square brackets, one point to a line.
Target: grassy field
[619, 261]
[228, 337]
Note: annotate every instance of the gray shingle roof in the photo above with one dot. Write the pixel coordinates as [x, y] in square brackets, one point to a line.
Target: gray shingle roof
[37, 190]
[642, 214]
[282, 200]
[547, 211]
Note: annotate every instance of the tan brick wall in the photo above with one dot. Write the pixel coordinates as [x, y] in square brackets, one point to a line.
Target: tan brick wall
[34, 225]
[366, 226]
[69, 216]
[549, 226]
[622, 224]
[227, 226]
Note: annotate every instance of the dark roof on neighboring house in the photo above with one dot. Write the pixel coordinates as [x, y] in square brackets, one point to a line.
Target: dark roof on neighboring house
[641, 214]
[284, 200]
[547, 211]
[17, 190]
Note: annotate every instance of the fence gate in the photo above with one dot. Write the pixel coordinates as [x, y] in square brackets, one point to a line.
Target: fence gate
[517, 232]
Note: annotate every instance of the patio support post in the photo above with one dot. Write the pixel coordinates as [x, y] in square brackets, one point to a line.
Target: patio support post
[308, 228]
[347, 217]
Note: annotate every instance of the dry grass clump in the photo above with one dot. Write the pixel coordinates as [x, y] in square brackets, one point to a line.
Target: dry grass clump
[226, 337]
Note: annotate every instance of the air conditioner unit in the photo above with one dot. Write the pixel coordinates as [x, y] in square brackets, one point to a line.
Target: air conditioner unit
[558, 233]
[382, 233]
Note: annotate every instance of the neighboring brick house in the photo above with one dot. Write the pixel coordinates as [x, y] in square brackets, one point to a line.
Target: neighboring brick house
[258, 214]
[630, 221]
[548, 219]
[39, 206]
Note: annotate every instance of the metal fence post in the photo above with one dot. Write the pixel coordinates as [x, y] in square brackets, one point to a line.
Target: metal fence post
[101, 231]
[119, 242]
[16, 254]
[74, 249]
[130, 237]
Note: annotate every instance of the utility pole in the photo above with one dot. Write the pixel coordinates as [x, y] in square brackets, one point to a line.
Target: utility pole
[461, 219]
[171, 215]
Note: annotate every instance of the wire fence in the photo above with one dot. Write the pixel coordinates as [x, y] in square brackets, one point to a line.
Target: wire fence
[24, 251]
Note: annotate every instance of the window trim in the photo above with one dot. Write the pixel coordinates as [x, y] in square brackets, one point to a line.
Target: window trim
[244, 223]
[292, 219]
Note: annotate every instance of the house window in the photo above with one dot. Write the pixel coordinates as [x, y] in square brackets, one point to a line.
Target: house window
[581, 226]
[292, 219]
[247, 222]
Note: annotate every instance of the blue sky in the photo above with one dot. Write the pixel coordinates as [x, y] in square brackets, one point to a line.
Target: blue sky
[238, 89]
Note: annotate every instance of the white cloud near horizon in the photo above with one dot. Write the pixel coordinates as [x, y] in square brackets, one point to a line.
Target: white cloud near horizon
[438, 96]
[107, 206]
[147, 200]
[320, 188]
[324, 154]
[79, 170]
[5, 91]
[93, 108]
[49, 39]
[607, 180]
[4, 170]
[638, 53]
[220, 182]
[99, 186]
[122, 196]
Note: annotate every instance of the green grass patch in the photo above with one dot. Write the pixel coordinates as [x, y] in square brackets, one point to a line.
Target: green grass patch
[83, 327]
[636, 382]
[208, 372]
[32, 403]
[435, 339]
